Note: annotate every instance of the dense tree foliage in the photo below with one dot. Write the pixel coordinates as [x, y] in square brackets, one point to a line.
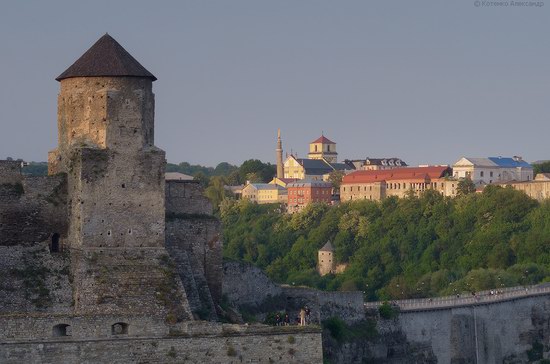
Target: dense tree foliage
[543, 167]
[222, 169]
[397, 248]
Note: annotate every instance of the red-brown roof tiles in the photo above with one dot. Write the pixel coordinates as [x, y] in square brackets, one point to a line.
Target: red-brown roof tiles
[416, 173]
[323, 139]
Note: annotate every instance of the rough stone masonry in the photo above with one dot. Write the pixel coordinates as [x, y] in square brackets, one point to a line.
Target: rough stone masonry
[105, 261]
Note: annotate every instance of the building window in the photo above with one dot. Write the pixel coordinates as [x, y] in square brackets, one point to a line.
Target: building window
[481, 174]
[490, 174]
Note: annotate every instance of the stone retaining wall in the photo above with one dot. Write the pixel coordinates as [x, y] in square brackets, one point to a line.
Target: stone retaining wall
[92, 340]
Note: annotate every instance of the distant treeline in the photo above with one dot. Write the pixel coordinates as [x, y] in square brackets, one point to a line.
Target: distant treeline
[252, 170]
[36, 169]
[399, 248]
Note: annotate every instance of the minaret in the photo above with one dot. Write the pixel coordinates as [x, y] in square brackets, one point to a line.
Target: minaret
[280, 173]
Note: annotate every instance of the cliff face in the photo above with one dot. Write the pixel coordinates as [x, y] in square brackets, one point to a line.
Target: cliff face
[516, 331]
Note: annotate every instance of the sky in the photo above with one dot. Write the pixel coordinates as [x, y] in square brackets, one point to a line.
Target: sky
[425, 81]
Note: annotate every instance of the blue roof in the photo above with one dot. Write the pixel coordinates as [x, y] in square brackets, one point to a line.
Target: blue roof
[509, 162]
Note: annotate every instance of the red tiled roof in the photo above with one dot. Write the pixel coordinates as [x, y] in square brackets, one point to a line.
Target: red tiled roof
[416, 173]
[323, 139]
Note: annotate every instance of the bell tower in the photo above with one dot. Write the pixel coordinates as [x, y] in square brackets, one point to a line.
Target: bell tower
[323, 148]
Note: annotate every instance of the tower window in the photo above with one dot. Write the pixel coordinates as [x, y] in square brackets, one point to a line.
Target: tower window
[54, 247]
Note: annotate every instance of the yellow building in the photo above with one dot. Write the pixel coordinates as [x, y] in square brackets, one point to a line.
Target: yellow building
[311, 169]
[323, 148]
[539, 189]
[264, 193]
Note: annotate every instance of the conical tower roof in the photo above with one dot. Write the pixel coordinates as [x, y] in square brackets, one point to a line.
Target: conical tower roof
[106, 58]
[327, 247]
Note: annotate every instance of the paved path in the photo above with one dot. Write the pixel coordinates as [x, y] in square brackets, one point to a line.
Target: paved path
[480, 298]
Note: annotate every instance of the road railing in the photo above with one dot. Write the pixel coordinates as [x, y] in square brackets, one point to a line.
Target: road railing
[466, 299]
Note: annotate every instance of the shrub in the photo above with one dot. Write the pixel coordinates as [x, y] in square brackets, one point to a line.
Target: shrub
[387, 311]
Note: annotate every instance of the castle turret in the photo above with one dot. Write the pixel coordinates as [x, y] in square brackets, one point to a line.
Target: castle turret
[116, 183]
[279, 150]
[326, 263]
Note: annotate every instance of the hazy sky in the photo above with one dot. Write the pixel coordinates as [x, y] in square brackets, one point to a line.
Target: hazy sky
[426, 81]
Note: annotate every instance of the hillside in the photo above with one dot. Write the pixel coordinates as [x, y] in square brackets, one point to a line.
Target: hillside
[398, 248]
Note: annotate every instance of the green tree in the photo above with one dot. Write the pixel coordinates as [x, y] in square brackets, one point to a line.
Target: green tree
[465, 186]
[216, 192]
[203, 179]
[543, 167]
[335, 177]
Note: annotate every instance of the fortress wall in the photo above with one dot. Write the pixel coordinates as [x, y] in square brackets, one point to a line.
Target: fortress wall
[194, 242]
[33, 209]
[347, 306]
[117, 198]
[258, 288]
[91, 340]
[186, 197]
[10, 172]
[123, 280]
[245, 284]
[33, 279]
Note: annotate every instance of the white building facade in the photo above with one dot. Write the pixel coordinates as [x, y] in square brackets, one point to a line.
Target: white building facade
[483, 171]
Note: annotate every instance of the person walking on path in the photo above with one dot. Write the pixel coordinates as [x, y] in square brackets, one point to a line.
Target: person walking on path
[302, 317]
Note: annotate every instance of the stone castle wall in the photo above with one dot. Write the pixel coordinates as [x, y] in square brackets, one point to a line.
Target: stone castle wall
[186, 197]
[32, 209]
[10, 172]
[94, 339]
[260, 293]
[194, 242]
[102, 112]
[33, 279]
[117, 199]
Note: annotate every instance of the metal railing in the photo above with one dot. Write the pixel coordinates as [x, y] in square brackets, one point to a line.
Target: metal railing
[479, 298]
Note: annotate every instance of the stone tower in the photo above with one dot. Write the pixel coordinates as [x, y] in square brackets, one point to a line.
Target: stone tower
[116, 186]
[323, 148]
[326, 263]
[279, 150]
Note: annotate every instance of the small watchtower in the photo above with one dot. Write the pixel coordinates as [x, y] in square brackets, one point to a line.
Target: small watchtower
[326, 263]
